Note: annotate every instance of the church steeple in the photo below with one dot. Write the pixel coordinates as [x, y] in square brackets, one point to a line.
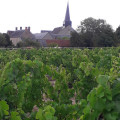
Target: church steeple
[67, 20]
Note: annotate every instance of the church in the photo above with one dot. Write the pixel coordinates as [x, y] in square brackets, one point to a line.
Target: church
[59, 35]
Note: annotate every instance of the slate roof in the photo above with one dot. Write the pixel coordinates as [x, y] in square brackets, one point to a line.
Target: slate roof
[10, 32]
[58, 36]
[40, 35]
[16, 34]
[57, 30]
[61, 32]
[66, 30]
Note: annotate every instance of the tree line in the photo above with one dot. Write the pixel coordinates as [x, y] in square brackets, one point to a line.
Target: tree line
[95, 33]
[90, 33]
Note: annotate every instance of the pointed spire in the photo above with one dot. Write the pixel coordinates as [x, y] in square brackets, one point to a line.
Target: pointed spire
[67, 21]
[67, 16]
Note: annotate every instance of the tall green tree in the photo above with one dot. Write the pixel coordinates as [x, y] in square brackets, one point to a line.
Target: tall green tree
[7, 39]
[117, 34]
[95, 33]
[2, 40]
[75, 40]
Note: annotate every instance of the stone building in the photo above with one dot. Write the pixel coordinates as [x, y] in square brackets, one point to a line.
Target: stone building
[58, 34]
[19, 35]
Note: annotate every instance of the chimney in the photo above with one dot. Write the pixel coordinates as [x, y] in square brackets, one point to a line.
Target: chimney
[29, 29]
[20, 28]
[25, 28]
[16, 28]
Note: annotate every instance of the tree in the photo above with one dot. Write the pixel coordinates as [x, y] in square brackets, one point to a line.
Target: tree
[7, 39]
[117, 34]
[75, 40]
[104, 38]
[2, 40]
[95, 33]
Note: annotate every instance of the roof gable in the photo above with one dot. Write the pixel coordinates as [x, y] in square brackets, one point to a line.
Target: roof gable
[66, 31]
[46, 35]
[57, 30]
[40, 35]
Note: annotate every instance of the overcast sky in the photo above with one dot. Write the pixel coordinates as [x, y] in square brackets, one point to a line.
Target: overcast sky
[48, 14]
